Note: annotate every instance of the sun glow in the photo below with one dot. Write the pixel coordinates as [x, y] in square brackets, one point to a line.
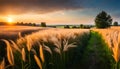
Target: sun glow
[10, 20]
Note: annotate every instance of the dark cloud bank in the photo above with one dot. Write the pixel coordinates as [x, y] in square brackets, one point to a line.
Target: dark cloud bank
[46, 6]
[37, 6]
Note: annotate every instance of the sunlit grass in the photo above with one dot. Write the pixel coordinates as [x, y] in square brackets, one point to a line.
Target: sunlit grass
[112, 38]
[2, 64]
[50, 47]
[10, 55]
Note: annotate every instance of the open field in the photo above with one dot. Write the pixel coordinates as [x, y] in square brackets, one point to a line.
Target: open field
[59, 44]
[111, 36]
[59, 34]
[12, 32]
[63, 49]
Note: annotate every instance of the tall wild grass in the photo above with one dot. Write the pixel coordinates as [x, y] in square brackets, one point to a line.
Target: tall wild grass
[46, 49]
[112, 38]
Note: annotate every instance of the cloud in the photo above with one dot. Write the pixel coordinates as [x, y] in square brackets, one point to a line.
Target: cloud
[37, 6]
[8, 7]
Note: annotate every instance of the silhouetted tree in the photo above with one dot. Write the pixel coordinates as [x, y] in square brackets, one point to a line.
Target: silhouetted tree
[115, 23]
[29, 24]
[81, 26]
[43, 24]
[34, 24]
[86, 27]
[17, 23]
[67, 26]
[74, 27]
[21, 23]
[103, 20]
[3, 23]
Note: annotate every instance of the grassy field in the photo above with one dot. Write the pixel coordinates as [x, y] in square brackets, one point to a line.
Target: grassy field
[63, 49]
[61, 45]
[112, 38]
[96, 54]
[12, 32]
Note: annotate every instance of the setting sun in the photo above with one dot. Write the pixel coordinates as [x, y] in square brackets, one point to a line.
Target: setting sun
[10, 20]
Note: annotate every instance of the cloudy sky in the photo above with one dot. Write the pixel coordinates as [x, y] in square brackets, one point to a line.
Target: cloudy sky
[57, 11]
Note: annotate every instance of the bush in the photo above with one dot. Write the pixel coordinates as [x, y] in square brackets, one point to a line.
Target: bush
[115, 23]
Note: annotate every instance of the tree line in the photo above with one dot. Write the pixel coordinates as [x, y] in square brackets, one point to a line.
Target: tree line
[43, 24]
[102, 20]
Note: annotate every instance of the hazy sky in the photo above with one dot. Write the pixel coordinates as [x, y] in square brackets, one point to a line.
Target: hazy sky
[57, 11]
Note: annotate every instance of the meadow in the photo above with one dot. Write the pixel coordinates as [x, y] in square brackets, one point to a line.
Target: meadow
[112, 38]
[56, 48]
[12, 32]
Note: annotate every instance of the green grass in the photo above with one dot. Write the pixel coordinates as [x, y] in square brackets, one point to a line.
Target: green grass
[97, 54]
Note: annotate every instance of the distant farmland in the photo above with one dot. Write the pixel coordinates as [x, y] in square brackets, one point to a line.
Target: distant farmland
[11, 32]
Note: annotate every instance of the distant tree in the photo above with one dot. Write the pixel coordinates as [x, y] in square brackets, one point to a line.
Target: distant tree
[17, 23]
[25, 24]
[86, 27]
[115, 23]
[30, 24]
[43, 24]
[67, 26]
[21, 23]
[103, 20]
[81, 26]
[34, 24]
[74, 27]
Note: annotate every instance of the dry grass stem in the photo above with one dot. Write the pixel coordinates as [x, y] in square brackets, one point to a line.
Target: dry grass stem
[10, 55]
[41, 53]
[2, 64]
[23, 55]
[38, 61]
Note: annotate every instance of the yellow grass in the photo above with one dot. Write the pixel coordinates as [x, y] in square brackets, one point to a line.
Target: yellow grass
[48, 49]
[19, 35]
[116, 53]
[15, 46]
[23, 55]
[2, 64]
[38, 61]
[29, 43]
[112, 38]
[14, 30]
[41, 54]
[50, 35]
[10, 55]
[54, 36]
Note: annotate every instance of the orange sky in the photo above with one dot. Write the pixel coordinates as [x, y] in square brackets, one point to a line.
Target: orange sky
[50, 18]
[57, 11]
